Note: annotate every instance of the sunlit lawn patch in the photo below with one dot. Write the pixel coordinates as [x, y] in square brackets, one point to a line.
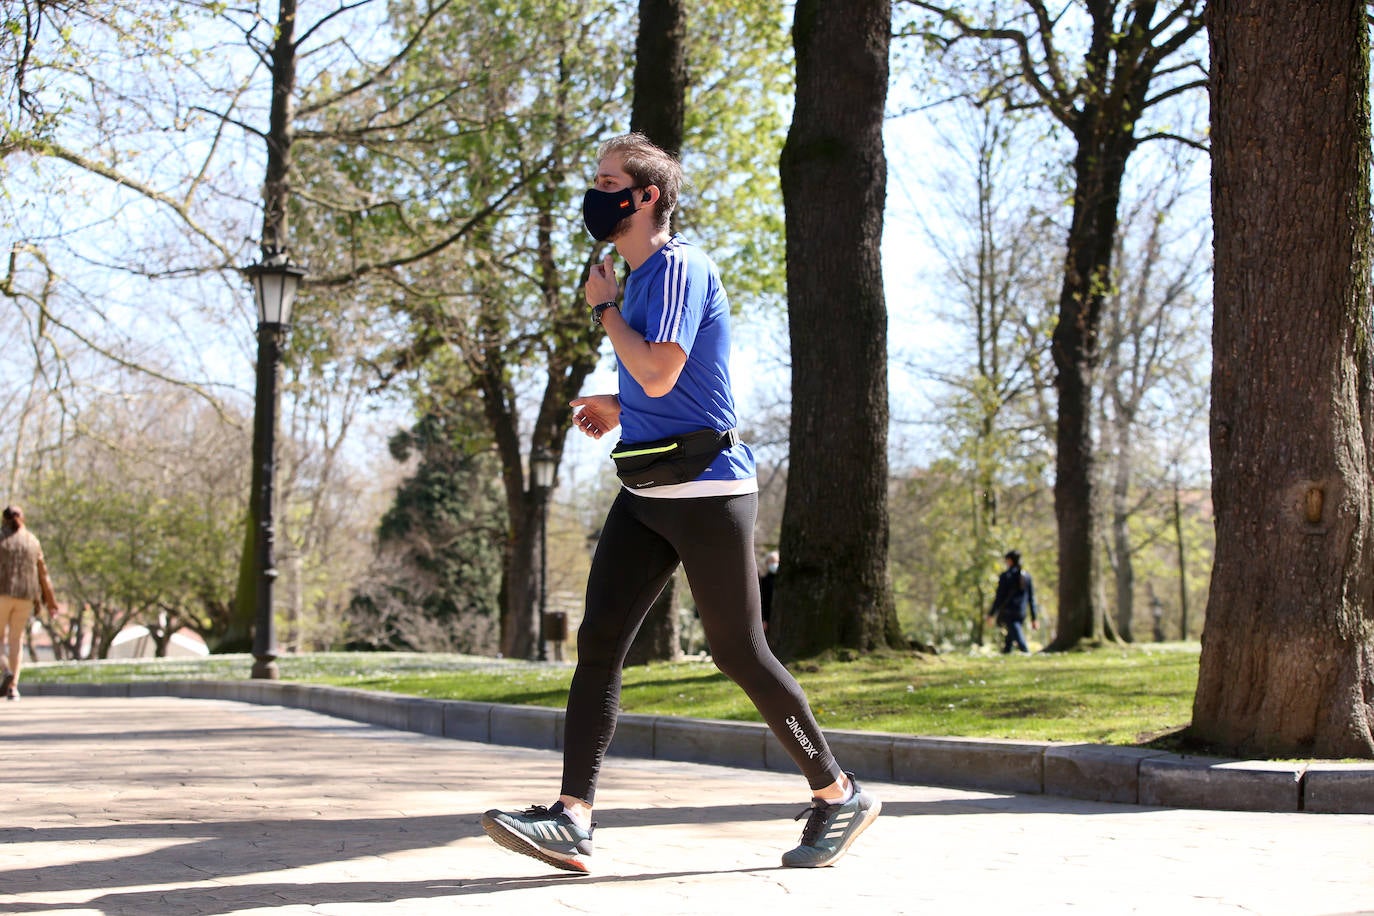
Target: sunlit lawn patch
[1111, 695]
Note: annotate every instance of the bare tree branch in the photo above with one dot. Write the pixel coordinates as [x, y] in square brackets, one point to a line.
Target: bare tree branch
[1177, 138]
[48, 148]
[1060, 106]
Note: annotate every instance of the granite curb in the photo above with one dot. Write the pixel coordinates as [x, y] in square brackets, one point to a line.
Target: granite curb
[1089, 772]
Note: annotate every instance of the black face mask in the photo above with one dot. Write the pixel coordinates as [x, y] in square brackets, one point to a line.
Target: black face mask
[604, 211]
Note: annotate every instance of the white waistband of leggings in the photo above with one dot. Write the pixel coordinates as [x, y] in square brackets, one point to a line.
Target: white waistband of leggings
[695, 489]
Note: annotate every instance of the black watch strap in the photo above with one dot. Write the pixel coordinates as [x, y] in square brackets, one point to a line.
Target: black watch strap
[598, 309]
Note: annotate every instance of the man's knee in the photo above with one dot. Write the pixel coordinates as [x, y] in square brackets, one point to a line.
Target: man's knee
[596, 645]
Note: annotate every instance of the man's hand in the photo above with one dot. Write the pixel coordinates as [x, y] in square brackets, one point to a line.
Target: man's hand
[1035, 624]
[602, 286]
[596, 414]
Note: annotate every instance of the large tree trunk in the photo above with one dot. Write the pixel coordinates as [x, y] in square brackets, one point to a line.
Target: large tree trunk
[1104, 143]
[660, 103]
[660, 636]
[834, 177]
[571, 356]
[1288, 644]
[660, 77]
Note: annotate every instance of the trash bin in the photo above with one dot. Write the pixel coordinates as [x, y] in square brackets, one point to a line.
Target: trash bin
[556, 631]
[556, 626]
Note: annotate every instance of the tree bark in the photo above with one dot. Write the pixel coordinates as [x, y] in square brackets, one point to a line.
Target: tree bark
[571, 356]
[1097, 191]
[1105, 137]
[660, 636]
[1124, 567]
[1182, 565]
[834, 176]
[1288, 645]
[660, 76]
[660, 104]
[569, 364]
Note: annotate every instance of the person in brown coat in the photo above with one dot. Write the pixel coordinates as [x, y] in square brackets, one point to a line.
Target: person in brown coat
[23, 582]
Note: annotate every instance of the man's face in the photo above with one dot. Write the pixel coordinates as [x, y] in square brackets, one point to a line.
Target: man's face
[611, 175]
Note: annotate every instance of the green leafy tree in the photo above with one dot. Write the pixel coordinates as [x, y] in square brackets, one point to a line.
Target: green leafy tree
[437, 584]
[140, 516]
[944, 569]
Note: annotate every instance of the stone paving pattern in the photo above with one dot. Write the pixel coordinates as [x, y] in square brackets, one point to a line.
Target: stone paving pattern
[164, 805]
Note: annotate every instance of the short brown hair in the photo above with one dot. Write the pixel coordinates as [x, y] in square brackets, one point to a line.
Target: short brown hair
[648, 164]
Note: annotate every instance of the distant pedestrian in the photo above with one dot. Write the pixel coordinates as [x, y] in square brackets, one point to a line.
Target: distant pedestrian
[770, 575]
[23, 582]
[1015, 595]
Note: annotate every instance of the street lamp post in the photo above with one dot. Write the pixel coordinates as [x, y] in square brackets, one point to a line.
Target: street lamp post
[275, 281]
[542, 467]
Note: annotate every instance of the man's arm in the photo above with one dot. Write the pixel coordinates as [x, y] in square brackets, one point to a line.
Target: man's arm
[656, 366]
[1000, 597]
[45, 584]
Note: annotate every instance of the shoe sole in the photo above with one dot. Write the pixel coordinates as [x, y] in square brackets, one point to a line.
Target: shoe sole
[516, 842]
[870, 816]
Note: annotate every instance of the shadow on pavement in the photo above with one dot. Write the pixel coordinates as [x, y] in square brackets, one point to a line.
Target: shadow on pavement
[208, 850]
[263, 732]
[232, 898]
[220, 849]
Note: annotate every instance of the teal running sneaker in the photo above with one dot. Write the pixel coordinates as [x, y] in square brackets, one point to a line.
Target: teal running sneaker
[546, 834]
[830, 829]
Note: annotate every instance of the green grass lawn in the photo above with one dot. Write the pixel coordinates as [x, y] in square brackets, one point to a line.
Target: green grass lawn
[1110, 695]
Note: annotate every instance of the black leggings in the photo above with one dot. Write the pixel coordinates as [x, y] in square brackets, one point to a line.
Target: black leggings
[641, 543]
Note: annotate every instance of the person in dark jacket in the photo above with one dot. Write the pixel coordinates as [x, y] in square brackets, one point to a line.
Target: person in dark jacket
[1015, 594]
[770, 575]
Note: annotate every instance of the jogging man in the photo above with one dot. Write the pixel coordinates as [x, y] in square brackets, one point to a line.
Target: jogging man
[689, 494]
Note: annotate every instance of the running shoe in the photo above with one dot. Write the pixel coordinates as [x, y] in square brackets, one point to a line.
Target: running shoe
[830, 829]
[9, 688]
[546, 834]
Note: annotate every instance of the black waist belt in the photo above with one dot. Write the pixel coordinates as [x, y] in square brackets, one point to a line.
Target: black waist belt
[676, 459]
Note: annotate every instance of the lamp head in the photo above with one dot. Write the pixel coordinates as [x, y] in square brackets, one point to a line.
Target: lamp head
[275, 282]
[542, 468]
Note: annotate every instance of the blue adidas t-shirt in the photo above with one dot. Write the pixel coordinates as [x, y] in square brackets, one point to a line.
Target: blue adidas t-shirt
[676, 297]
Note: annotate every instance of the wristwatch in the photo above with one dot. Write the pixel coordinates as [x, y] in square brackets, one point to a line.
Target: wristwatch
[598, 309]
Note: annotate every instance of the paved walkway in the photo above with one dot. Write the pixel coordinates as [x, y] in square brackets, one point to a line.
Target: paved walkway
[164, 805]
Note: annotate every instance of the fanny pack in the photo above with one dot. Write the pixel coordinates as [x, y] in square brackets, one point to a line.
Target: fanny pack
[676, 459]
